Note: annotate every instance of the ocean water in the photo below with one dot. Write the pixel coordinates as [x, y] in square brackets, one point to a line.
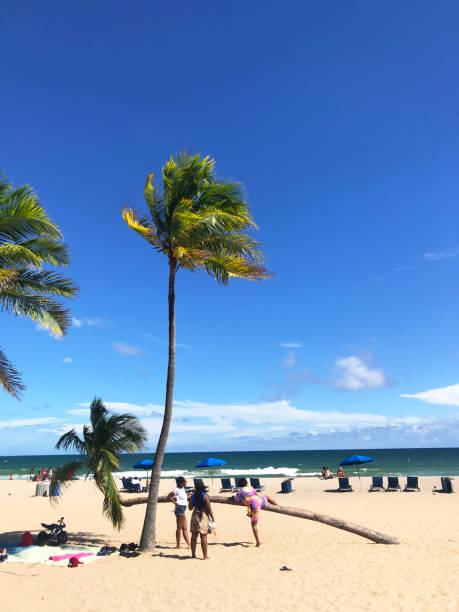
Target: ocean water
[299, 464]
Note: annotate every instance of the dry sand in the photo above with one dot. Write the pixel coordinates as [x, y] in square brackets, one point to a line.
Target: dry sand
[333, 569]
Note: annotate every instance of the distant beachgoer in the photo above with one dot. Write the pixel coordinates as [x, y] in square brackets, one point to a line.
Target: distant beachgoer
[50, 472]
[326, 474]
[199, 502]
[179, 498]
[43, 474]
[32, 474]
[11, 476]
[247, 495]
[341, 474]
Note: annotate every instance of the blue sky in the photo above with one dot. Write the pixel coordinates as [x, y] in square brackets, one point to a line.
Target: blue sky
[341, 121]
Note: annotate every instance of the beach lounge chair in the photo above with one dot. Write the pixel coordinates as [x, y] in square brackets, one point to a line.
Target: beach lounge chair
[393, 484]
[195, 480]
[344, 484]
[446, 485]
[226, 485]
[286, 486]
[127, 483]
[255, 482]
[412, 484]
[377, 484]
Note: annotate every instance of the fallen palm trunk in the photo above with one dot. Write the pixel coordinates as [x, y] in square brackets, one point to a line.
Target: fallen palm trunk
[375, 536]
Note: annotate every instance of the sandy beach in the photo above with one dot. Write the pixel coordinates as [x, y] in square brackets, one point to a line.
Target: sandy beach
[332, 569]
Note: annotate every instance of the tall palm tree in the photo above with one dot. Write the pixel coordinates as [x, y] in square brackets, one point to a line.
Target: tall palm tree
[28, 240]
[199, 223]
[102, 444]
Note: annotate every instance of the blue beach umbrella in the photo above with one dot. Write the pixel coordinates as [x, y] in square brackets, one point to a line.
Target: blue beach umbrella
[356, 460]
[211, 462]
[144, 464]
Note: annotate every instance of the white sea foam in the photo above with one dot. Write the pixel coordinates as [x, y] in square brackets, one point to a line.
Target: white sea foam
[206, 473]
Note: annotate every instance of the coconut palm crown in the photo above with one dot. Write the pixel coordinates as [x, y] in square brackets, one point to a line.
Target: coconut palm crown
[101, 446]
[198, 222]
[28, 241]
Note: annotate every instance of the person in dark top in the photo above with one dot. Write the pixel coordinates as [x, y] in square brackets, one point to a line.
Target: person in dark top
[202, 511]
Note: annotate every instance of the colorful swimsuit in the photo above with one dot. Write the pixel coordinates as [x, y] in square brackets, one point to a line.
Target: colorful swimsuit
[253, 501]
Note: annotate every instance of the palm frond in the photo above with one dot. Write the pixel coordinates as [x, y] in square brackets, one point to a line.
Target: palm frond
[49, 251]
[97, 411]
[10, 379]
[49, 313]
[70, 440]
[111, 505]
[142, 226]
[43, 282]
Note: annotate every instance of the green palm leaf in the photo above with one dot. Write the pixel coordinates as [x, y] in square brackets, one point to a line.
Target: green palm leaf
[28, 240]
[101, 446]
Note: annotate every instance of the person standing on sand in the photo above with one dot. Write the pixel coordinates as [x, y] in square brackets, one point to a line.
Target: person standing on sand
[254, 502]
[200, 504]
[179, 498]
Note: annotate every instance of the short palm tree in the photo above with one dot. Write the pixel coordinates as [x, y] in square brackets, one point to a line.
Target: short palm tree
[28, 240]
[101, 446]
[199, 223]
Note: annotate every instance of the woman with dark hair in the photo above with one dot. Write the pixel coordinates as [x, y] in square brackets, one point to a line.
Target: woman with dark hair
[200, 504]
[179, 498]
[254, 502]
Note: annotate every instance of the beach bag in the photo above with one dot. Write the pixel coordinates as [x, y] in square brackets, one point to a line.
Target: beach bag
[74, 562]
[27, 539]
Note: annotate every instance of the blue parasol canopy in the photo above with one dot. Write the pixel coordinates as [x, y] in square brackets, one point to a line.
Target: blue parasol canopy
[356, 460]
[211, 462]
[145, 463]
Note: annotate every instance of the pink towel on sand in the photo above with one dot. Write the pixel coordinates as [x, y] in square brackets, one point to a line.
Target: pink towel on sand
[69, 555]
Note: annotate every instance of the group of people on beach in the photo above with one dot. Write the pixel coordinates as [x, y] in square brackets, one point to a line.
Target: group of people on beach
[202, 517]
[41, 475]
[326, 474]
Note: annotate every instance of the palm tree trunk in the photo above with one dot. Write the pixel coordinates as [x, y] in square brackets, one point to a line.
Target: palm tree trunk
[148, 538]
[364, 532]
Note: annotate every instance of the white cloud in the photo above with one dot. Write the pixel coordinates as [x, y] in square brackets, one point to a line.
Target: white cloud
[97, 322]
[91, 322]
[445, 254]
[15, 423]
[290, 359]
[67, 360]
[62, 429]
[119, 407]
[291, 344]
[447, 396]
[127, 349]
[355, 375]
[79, 411]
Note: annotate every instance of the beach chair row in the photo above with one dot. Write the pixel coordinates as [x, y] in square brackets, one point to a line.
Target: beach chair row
[228, 486]
[393, 484]
[377, 484]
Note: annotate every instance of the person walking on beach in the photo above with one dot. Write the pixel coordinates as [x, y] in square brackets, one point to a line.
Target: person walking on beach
[179, 498]
[32, 474]
[200, 504]
[247, 495]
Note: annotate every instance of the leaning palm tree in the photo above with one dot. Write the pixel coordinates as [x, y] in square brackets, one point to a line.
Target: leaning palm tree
[28, 240]
[199, 223]
[101, 446]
